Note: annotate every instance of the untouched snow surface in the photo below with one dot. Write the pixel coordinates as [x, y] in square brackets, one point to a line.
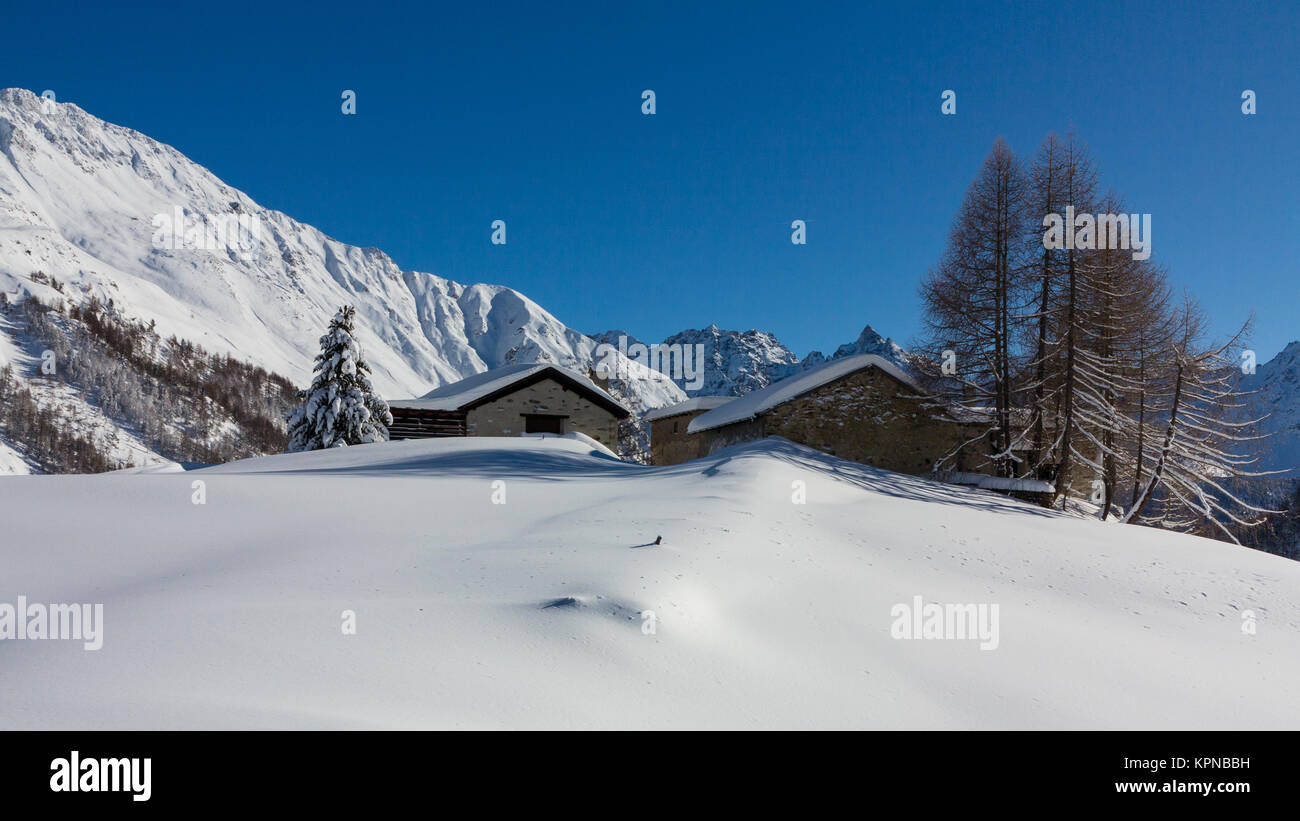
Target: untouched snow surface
[530, 613]
[12, 462]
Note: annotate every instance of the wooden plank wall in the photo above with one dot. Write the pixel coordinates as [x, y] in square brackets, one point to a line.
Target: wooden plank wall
[409, 423]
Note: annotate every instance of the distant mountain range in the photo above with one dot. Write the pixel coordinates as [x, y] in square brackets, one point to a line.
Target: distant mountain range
[738, 362]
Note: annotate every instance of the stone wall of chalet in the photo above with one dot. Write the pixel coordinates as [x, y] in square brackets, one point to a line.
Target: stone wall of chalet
[671, 445]
[505, 416]
[865, 416]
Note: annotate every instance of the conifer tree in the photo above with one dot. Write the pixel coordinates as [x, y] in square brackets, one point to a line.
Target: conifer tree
[340, 408]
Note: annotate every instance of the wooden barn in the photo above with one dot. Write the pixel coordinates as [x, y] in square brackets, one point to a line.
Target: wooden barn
[511, 401]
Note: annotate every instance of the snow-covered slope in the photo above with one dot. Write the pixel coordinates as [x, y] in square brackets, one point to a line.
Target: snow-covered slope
[78, 200]
[1276, 384]
[534, 613]
[12, 463]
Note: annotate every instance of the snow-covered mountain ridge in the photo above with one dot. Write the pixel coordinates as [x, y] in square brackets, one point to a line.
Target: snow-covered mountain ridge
[1275, 388]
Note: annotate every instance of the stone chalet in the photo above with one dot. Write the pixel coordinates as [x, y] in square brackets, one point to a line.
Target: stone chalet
[511, 401]
[862, 408]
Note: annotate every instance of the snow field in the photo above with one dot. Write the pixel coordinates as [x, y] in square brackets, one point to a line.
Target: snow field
[766, 613]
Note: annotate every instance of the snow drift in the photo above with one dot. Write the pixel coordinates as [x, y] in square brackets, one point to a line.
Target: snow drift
[506, 583]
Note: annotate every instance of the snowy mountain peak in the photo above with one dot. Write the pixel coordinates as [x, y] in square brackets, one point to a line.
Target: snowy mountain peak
[868, 342]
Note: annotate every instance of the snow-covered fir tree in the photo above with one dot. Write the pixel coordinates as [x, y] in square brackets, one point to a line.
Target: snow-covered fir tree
[340, 408]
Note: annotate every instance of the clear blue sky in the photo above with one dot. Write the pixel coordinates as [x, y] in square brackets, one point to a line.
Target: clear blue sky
[767, 112]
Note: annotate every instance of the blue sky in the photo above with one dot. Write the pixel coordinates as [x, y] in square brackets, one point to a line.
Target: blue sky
[766, 113]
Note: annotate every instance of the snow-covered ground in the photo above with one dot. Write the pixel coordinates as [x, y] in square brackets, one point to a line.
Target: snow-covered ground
[532, 613]
[12, 462]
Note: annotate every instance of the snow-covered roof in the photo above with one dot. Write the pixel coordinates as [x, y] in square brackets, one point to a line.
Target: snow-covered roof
[698, 403]
[1026, 485]
[983, 480]
[761, 401]
[480, 387]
